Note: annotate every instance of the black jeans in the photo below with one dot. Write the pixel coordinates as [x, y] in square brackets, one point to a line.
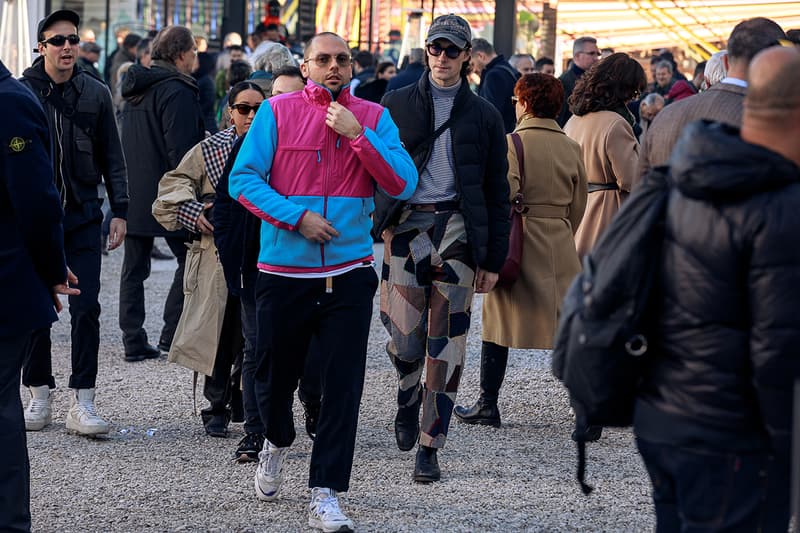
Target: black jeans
[135, 270]
[310, 387]
[82, 250]
[15, 491]
[291, 312]
[698, 491]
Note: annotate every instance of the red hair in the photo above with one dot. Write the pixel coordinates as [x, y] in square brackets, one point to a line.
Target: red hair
[540, 94]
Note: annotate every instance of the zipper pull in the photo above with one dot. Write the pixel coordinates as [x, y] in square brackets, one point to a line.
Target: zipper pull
[319, 156]
[338, 141]
[329, 285]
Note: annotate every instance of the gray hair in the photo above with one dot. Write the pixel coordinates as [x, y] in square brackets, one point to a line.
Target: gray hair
[275, 57]
[416, 55]
[664, 64]
[715, 69]
[652, 99]
[577, 46]
[516, 58]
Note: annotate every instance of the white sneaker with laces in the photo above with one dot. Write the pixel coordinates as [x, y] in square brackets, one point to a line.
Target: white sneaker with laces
[38, 413]
[269, 474]
[324, 512]
[82, 417]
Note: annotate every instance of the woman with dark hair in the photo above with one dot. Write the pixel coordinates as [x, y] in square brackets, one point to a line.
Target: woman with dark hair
[554, 195]
[603, 126]
[208, 339]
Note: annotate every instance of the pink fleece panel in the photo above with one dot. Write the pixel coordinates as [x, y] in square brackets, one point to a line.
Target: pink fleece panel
[263, 216]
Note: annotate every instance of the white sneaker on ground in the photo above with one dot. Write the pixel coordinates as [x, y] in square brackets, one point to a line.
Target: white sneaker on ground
[82, 417]
[324, 512]
[269, 473]
[38, 413]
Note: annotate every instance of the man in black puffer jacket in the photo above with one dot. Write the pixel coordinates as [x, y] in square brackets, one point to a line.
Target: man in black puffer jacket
[448, 241]
[713, 416]
[160, 122]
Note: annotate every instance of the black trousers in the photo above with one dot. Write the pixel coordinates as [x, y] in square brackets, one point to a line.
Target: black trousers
[310, 388]
[291, 312]
[15, 492]
[218, 387]
[82, 250]
[135, 270]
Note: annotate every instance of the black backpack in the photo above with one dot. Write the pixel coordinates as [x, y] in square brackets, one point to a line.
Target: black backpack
[601, 342]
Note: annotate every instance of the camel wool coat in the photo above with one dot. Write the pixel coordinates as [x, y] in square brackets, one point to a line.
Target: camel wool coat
[525, 315]
[610, 155]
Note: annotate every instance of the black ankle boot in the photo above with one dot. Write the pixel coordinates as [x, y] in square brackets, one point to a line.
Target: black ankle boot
[494, 359]
[483, 413]
[426, 469]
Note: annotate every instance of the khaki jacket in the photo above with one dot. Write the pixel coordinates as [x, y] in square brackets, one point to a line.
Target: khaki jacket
[610, 155]
[205, 292]
[525, 315]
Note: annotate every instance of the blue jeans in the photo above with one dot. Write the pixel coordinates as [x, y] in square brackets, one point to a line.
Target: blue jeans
[699, 491]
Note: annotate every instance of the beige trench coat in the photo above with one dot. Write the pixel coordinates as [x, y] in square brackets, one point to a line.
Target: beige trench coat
[205, 292]
[610, 155]
[525, 315]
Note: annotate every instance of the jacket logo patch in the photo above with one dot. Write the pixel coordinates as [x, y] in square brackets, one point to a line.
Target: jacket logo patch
[17, 144]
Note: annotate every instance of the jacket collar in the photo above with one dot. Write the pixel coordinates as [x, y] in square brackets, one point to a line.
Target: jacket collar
[320, 96]
[528, 122]
[424, 86]
[4, 72]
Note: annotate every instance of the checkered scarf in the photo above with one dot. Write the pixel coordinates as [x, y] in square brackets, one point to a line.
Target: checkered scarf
[216, 150]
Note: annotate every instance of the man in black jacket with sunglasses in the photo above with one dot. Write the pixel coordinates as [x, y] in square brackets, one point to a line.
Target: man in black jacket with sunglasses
[86, 151]
[447, 242]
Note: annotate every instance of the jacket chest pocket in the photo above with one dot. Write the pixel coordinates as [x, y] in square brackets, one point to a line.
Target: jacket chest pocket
[84, 166]
[297, 170]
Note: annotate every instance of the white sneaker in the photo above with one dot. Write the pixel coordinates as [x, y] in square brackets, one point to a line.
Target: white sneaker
[38, 413]
[324, 512]
[82, 418]
[269, 473]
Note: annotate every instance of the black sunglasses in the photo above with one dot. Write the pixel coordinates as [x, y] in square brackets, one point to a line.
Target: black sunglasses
[451, 51]
[59, 40]
[244, 109]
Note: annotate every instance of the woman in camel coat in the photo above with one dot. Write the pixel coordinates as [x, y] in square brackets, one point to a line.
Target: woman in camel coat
[525, 315]
[603, 126]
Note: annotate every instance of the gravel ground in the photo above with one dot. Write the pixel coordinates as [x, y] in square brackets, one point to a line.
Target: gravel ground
[158, 471]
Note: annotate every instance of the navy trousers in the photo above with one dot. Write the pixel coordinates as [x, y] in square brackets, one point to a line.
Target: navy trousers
[15, 492]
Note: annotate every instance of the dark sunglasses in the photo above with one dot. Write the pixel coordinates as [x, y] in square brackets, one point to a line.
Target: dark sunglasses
[451, 51]
[59, 40]
[244, 109]
[323, 60]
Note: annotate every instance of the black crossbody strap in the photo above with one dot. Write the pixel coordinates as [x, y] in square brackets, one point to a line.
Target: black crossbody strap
[435, 135]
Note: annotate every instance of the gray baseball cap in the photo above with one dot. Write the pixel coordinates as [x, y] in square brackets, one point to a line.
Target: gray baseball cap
[450, 27]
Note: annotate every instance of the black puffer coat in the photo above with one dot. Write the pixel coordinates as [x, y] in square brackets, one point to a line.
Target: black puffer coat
[160, 122]
[480, 153]
[728, 332]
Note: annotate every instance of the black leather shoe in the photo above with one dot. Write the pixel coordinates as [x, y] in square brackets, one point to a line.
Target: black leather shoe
[216, 424]
[427, 469]
[148, 352]
[482, 413]
[406, 426]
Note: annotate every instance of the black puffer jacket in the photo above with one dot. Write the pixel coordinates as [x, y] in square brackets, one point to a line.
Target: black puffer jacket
[727, 336]
[88, 155]
[480, 154]
[160, 122]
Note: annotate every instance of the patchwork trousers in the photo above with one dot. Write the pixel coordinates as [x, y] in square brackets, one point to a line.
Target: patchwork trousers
[426, 299]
